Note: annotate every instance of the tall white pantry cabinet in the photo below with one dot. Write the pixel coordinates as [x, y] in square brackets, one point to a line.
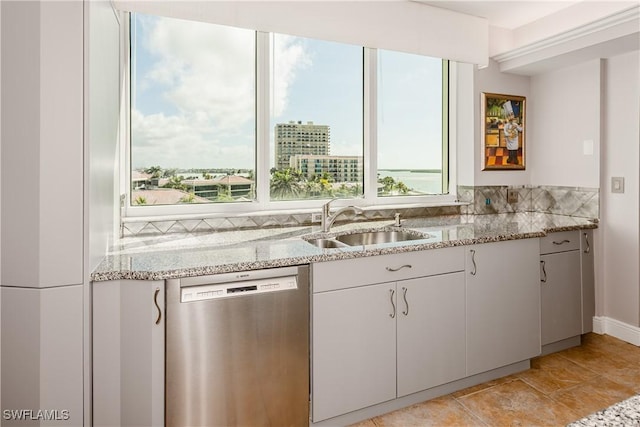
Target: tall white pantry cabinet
[43, 216]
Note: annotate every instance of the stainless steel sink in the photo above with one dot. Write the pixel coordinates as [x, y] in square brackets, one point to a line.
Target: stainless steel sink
[377, 237]
[326, 243]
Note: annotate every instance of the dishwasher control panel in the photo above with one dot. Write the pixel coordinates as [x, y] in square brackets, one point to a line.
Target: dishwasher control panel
[225, 290]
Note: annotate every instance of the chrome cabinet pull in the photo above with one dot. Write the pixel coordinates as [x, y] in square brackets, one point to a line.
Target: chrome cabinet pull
[473, 260]
[155, 301]
[544, 272]
[586, 239]
[406, 303]
[393, 314]
[562, 242]
[399, 268]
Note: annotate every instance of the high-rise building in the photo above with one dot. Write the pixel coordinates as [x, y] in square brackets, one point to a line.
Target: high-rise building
[297, 138]
[340, 168]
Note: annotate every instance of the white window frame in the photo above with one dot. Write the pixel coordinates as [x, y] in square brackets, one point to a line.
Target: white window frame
[263, 204]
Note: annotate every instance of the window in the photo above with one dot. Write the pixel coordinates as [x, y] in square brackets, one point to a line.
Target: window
[237, 120]
[410, 124]
[192, 112]
[316, 116]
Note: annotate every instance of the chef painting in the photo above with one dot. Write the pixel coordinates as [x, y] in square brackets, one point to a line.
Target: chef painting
[506, 149]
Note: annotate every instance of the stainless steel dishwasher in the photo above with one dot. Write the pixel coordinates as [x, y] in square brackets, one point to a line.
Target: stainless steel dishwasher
[237, 349]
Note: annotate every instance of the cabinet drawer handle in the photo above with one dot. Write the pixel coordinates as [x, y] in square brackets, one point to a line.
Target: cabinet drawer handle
[473, 260]
[399, 268]
[562, 242]
[406, 303]
[393, 314]
[155, 301]
[586, 239]
[544, 272]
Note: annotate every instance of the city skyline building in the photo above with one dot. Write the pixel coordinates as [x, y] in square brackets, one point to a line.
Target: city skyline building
[340, 168]
[297, 138]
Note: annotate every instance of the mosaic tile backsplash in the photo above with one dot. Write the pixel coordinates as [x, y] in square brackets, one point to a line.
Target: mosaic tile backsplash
[136, 227]
[479, 200]
[572, 201]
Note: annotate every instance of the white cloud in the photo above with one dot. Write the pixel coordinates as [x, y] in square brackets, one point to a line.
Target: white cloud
[289, 57]
[206, 75]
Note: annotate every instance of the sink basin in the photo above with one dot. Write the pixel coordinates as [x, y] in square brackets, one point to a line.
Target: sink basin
[376, 237]
[326, 243]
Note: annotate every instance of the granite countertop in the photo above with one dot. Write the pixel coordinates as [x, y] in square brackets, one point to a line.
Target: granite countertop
[196, 254]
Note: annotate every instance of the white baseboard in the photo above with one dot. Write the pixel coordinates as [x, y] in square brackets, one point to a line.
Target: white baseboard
[616, 328]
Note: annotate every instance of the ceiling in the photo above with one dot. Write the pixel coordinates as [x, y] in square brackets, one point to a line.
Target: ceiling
[506, 14]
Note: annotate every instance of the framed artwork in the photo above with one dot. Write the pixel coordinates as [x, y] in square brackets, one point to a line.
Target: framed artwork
[503, 120]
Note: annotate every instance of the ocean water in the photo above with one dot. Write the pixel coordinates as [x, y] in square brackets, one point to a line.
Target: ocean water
[418, 181]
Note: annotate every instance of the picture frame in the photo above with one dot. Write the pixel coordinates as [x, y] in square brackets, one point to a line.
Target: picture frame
[503, 127]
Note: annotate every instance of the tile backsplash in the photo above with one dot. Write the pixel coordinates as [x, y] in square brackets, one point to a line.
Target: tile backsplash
[138, 227]
[572, 201]
[478, 200]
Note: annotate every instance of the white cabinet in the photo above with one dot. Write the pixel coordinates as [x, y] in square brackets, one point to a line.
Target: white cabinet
[588, 280]
[567, 286]
[378, 341]
[128, 353]
[560, 287]
[42, 119]
[503, 304]
[42, 355]
[354, 353]
[430, 332]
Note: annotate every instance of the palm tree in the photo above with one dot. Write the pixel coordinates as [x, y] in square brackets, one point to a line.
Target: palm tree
[154, 171]
[175, 182]
[285, 184]
[401, 187]
[388, 183]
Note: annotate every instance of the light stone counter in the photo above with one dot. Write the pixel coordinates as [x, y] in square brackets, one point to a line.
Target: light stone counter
[196, 254]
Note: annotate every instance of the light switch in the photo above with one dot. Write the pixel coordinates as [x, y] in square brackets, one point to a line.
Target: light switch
[617, 184]
[587, 147]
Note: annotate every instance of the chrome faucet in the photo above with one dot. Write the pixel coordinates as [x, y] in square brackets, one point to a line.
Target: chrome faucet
[328, 219]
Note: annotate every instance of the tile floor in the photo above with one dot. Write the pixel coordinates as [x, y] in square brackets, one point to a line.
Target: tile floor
[558, 389]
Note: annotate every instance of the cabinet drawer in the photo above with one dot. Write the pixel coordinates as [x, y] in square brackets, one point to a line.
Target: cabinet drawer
[332, 275]
[560, 242]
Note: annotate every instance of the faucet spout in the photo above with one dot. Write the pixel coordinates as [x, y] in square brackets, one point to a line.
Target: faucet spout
[328, 219]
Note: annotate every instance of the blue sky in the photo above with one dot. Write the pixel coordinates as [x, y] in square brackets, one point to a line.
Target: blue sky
[194, 96]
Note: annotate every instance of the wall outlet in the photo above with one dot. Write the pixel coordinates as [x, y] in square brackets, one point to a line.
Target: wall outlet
[512, 196]
[316, 217]
[617, 184]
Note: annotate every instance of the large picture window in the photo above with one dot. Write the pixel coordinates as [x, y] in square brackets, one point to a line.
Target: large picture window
[223, 116]
[192, 112]
[316, 118]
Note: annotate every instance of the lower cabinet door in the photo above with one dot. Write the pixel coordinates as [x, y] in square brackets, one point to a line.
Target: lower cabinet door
[503, 304]
[431, 332]
[560, 296]
[354, 351]
[128, 353]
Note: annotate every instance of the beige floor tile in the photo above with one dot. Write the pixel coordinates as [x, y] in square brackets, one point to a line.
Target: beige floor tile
[366, 423]
[517, 404]
[593, 395]
[440, 412]
[595, 358]
[476, 388]
[551, 373]
[558, 389]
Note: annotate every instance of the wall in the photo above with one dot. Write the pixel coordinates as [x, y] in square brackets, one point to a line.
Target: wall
[619, 228]
[491, 80]
[564, 112]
